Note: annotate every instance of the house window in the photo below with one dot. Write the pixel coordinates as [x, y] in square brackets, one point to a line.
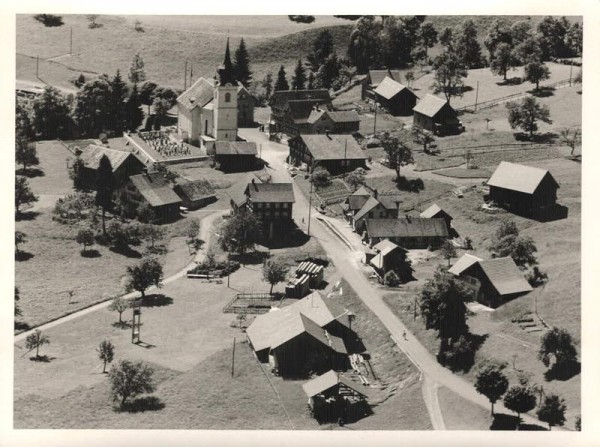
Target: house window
[227, 97]
[267, 205]
[258, 206]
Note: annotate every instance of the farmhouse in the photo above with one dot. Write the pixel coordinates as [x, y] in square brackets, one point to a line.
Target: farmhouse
[374, 78]
[332, 396]
[234, 155]
[296, 114]
[340, 122]
[396, 98]
[522, 189]
[409, 232]
[355, 201]
[435, 114]
[237, 192]
[212, 109]
[305, 336]
[272, 202]
[124, 164]
[434, 211]
[195, 194]
[279, 121]
[154, 190]
[376, 207]
[389, 256]
[493, 281]
[336, 153]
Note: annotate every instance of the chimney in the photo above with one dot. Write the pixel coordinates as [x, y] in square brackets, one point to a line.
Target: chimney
[375, 193]
[254, 184]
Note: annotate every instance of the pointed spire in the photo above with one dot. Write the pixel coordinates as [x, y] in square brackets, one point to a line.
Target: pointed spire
[226, 75]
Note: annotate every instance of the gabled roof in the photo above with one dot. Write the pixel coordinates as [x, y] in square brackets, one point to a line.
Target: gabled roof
[358, 198]
[385, 246]
[320, 334]
[505, 276]
[195, 189]
[280, 98]
[518, 177]
[327, 381]
[315, 115]
[302, 110]
[270, 192]
[235, 148]
[369, 205]
[389, 201]
[267, 330]
[411, 227]
[379, 75]
[388, 88]
[333, 147]
[433, 211]
[155, 189]
[237, 191]
[430, 105]
[92, 154]
[198, 95]
[344, 116]
[463, 263]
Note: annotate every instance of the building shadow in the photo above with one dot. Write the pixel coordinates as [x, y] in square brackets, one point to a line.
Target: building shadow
[551, 214]
[563, 372]
[143, 404]
[291, 237]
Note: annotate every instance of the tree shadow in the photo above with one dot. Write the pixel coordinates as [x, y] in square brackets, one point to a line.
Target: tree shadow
[26, 215]
[509, 422]
[510, 81]
[23, 255]
[542, 92]
[542, 138]
[143, 404]
[411, 185]
[252, 258]
[156, 300]
[93, 253]
[42, 359]
[464, 361]
[161, 249]
[21, 326]
[31, 172]
[122, 324]
[563, 372]
[467, 88]
[126, 251]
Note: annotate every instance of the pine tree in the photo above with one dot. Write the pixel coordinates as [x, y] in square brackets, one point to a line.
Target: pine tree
[311, 81]
[241, 64]
[136, 72]
[119, 93]
[51, 114]
[281, 83]
[299, 78]
[104, 188]
[133, 110]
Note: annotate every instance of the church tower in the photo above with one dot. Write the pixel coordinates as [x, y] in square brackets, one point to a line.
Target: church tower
[225, 101]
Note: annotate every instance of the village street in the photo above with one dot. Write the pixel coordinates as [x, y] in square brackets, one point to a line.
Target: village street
[344, 260]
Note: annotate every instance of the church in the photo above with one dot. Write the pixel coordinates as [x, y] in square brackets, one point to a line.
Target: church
[213, 109]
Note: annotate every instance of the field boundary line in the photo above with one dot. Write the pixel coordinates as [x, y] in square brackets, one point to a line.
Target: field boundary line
[276, 393]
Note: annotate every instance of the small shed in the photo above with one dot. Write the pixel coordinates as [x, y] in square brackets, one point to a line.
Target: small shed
[436, 114]
[396, 98]
[314, 271]
[298, 287]
[434, 211]
[195, 194]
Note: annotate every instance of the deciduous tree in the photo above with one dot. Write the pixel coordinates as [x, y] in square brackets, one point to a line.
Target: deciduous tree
[20, 238]
[25, 153]
[23, 194]
[422, 136]
[35, 340]
[152, 233]
[147, 93]
[398, 154]
[106, 353]
[449, 74]
[526, 114]
[467, 45]
[557, 343]
[363, 49]
[94, 107]
[552, 411]
[536, 72]
[448, 251]
[240, 233]
[428, 36]
[129, 379]
[409, 77]
[498, 32]
[356, 178]
[391, 279]
[104, 188]
[570, 138]
[119, 304]
[492, 383]
[503, 60]
[136, 71]
[274, 272]
[51, 115]
[320, 177]
[85, 237]
[18, 312]
[147, 273]
[520, 399]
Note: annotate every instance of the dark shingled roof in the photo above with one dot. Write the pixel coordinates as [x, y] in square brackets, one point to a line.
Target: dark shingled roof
[518, 177]
[155, 189]
[198, 95]
[430, 105]
[237, 191]
[92, 154]
[411, 227]
[195, 190]
[389, 201]
[235, 148]
[505, 276]
[331, 147]
[369, 205]
[280, 98]
[344, 116]
[379, 75]
[270, 192]
[301, 110]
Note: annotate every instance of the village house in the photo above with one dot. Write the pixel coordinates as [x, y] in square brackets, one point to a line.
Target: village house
[305, 336]
[237, 192]
[389, 256]
[395, 97]
[436, 115]
[408, 232]
[304, 102]
[336, 153]
[155, 191]
[355, 201]
[124, 164]
[435, 212]
[493, 281]
[384, 206]
[195, 194]
[522, 189]
[234, 155]
[212, 109]
[272, 203]
[335, 122]
[374, 78]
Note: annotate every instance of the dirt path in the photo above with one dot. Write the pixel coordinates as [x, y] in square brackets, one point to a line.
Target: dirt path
[204, 234]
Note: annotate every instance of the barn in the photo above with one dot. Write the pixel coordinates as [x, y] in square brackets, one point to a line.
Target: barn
[434, 211]
[408, 232]
[494, 281]
[374, 78]
[124, 164]
[436, 115]
[195, 194]
[523, 189]
[153, 190]
[396, 98]
[234, 155]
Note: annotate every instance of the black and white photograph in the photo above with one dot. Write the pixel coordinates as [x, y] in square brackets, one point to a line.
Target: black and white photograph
[309, 223]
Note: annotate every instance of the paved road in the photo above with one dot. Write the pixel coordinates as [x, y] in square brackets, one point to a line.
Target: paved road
[344, 259]
[204, 234]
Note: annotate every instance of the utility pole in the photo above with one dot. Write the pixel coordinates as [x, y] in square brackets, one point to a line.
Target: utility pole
[37, 66]
[71, 43]
[233, 357]
[345, 151]
[570, 72]
[260, 153]
[476, 96]
[185, 77]
[375, 122]
[310, 201]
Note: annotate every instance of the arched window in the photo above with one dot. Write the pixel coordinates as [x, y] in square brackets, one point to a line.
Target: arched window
[227, 97]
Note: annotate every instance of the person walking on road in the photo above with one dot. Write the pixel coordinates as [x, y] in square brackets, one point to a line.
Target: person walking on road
[404, 335]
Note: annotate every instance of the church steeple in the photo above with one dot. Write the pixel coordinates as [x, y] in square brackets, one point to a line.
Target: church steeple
[226, 72]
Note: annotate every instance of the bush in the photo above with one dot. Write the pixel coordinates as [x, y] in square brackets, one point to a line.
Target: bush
[459, 356]
[391, 279]
[49, 20]
[222, 268]
[320, 178]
